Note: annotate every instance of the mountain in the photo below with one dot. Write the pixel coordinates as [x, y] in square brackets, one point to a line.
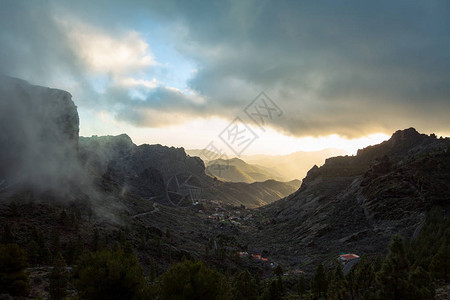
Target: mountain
[237, 170]
[169, 175]
[281, 167]
[205, 155]
[356, 203]
[294, 165]
[39, 136]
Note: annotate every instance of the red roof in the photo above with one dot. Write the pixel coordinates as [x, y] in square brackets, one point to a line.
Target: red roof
[264, 259]
[257, 256]
[349, 256]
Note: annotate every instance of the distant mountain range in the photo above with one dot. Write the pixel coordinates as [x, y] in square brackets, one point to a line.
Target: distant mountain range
[279, 167]
[237, 170]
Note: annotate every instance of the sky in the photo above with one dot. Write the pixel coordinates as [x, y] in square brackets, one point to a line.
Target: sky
[242, 77]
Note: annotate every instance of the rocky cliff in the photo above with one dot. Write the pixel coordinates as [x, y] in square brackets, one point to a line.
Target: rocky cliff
[39, 134]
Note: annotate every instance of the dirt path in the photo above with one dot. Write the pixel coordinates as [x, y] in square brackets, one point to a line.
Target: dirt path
[155, 209]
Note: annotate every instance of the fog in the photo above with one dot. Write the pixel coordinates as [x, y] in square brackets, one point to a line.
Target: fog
[39, 138]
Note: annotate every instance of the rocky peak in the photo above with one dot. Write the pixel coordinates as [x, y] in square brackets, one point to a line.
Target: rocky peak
[380, 158]
[39, 135]
[406, 134]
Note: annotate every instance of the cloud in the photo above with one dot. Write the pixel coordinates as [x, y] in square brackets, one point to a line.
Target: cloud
[102, 53]
[347, 68]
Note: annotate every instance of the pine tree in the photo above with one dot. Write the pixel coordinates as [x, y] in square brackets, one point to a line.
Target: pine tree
[33, 253]
[319, 282]
[109, 274]
[278, 271]
[440, 264]
[7, 237]
[58, 279]
[38, 237]
[392, 280]
[55, 243]
[421, 287]
[335, 287]
[13, 277]
[244, 287]
[360, 280]
[272, 292]
[193, 280]
[96, 240]
[301, 286]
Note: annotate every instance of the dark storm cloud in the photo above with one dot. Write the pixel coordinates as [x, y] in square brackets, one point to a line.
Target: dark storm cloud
[347, 67]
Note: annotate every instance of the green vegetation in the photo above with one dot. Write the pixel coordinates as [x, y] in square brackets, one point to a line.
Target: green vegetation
[319, 282]
[13, 277]
[410, 270]
[193, 280]
[244, 287]
[109, 274]
[58, 279]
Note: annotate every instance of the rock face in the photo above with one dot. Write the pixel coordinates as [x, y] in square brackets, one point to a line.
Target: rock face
[39, 134]
[355, 203]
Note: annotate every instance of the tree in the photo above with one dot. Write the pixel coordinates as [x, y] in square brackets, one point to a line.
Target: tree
[13, 277]
[109, 274]
[278, 271]
[55, 243]
[301, 286]
[63, 219]
[244, 287]
[420, 285]
[33, 252]
[96, 240]
[58, 279]
[360, 280]
[38, 237]
[272, 292]
[7, 237]
[440, 264]
[192, 280]
[392, 280]
[319, 282]
[337, 282]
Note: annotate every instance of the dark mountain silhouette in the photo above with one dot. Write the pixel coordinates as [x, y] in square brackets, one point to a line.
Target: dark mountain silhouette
[356, 203]
[158, 172]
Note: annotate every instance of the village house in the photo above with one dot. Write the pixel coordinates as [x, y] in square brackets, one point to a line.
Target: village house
[257, 256]
[348, 261]
[345, 258]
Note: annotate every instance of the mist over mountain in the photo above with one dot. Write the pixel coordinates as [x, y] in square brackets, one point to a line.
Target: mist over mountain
[39, 136]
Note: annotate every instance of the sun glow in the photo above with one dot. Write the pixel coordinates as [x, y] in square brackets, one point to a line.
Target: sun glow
[198, 133]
